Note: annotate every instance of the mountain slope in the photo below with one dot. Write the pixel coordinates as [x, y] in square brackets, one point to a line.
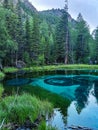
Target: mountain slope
[53, 16]
[26, 6]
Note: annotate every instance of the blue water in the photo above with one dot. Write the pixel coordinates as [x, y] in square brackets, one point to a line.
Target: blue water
[86, 117]
[18, 82]
[81, 90]
[56, 85]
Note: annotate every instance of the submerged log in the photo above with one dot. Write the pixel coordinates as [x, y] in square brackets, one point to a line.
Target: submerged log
[79, 128]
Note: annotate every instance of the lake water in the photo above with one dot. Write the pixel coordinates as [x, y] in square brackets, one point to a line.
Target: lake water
[80, 87]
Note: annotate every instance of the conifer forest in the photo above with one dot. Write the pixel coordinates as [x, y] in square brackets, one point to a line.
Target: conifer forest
[44, 37]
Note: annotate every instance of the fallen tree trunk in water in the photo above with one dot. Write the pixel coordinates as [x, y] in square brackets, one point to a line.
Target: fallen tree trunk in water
[78, 128]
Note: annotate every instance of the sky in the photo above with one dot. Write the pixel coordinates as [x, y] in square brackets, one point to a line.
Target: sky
[88, 9]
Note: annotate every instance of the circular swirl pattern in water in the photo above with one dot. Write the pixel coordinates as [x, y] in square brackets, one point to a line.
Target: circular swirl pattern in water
[59, 81]
[67, 81]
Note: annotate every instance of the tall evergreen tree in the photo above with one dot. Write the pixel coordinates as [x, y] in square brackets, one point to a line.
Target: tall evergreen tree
[35, 44]
[47, 39]
[28, 40]
[20, 33]
[62, 38]
[82, 44]
[96, 45]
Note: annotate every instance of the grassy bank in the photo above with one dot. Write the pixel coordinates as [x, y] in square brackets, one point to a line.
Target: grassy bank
[18, 108]
[7, 70]
[2, 75]
[49, 68]
[52, 67]
[57, 100]
[10, 69]
[1, 90]
[57, 67]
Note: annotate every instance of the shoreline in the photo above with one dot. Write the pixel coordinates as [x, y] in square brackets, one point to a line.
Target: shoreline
[47, 68]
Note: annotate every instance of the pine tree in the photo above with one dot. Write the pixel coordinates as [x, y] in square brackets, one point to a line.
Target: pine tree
[96, 45]
[45, 34]
[82, 44]
[35, 44]
[20, 33]
[62, 38]
[65, 15]
[6, 42]
[59, 45]
[28, 35]
[28, 40]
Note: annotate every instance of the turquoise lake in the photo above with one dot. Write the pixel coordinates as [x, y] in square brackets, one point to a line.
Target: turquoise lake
[80, 87]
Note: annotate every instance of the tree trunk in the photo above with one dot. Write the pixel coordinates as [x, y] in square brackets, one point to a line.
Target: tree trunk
[66, 49]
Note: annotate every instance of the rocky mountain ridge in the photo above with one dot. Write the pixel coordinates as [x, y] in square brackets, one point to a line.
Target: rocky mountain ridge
[56, 12]
[26, 5]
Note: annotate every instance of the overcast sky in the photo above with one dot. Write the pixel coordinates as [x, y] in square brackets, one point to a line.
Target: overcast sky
[88, 8]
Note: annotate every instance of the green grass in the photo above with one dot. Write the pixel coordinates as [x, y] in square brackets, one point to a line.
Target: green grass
[2, 75]
[43, 126]
[52, 68]
[55, 99]
[18, 108]
[10, 69]
[56, 67]
[1, 90]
